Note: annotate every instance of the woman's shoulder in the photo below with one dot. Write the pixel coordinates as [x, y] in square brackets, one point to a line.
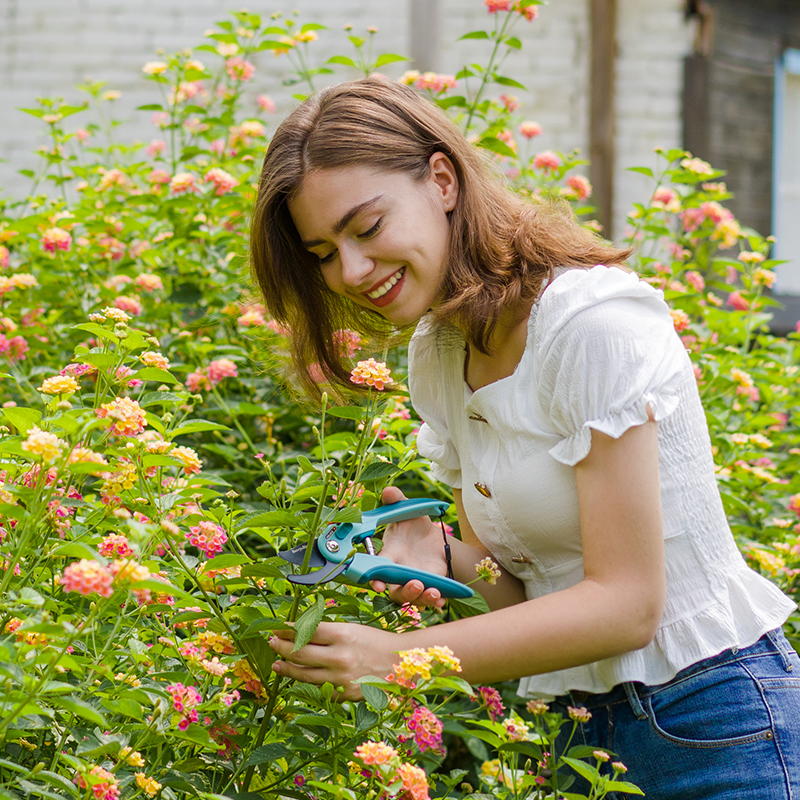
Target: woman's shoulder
[604, 296]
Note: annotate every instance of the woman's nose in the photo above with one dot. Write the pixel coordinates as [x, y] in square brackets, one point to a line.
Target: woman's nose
[356, 267]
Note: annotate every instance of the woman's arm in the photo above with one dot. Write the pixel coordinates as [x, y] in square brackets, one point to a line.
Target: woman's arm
[419, 543]
[616, 608]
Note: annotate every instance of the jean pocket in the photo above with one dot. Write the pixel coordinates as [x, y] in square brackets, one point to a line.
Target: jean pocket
[721, 706]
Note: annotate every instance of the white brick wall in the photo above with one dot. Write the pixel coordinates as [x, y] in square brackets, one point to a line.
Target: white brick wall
[48, 46]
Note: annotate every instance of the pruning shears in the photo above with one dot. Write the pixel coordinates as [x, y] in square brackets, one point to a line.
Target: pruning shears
[334, 555]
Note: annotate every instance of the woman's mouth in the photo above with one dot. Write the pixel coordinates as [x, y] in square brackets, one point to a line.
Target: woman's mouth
[385, 292]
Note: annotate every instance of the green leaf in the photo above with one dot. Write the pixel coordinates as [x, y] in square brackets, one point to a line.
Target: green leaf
[374, 697]
[100, 360]
[266, 753]
[159, 587]
[227, 560]
[312, 26]
[346, 412]
[150, 107]
[377, 470]
[582, 768]
[77, 549]
[469, 606]
[454, 684]
[623, 786]
[388, 58]
[160, 398]
[195, 425]
[496, 146]
[307, 623]
[266, 569]
[503, 81]
[643, 170]
[347, 62]
[23, 418]
[154, 374]
[268, 519]
[475, 35]
[80, 708]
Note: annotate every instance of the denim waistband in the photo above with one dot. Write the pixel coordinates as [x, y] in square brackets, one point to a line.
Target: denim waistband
[771, 643]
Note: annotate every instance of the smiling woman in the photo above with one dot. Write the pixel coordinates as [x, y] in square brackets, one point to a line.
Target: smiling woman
[372, 153]
[562, 409]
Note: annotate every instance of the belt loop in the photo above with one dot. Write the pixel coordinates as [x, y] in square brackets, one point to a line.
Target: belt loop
[633, 699]
[778, 642]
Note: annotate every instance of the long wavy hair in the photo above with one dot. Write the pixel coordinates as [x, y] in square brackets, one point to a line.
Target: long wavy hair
[502, 247]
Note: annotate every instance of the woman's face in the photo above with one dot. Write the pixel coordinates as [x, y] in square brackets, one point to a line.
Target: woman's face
[381, 237]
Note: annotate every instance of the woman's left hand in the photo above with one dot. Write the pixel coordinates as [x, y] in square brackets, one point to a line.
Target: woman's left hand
[338, 653]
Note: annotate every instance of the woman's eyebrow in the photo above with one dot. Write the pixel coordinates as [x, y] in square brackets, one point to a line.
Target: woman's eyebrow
[345, 220]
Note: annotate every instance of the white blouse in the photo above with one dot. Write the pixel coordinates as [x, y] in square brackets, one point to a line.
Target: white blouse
[601, 346]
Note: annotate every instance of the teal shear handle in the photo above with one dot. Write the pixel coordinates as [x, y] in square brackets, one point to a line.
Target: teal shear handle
[365, 568]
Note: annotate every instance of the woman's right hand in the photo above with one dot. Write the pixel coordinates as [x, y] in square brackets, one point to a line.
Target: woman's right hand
[414, 543]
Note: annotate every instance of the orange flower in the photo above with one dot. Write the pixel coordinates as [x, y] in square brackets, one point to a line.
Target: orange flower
[129, 417]
[372, 373]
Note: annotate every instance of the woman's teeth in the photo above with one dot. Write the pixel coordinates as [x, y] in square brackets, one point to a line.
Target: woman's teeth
[382, 290]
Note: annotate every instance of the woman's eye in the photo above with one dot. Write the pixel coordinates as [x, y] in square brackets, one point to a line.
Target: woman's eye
[372, 231]
[326, 259]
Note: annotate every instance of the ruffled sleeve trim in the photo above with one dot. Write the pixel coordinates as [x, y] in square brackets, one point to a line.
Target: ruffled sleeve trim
[607, 350]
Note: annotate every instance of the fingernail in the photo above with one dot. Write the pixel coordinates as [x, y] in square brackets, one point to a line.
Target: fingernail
[276, 667]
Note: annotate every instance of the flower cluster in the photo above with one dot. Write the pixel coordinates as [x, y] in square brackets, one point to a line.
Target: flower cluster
[419, 664]
[87, 577]
[103, 784]
[208, 537]
[185, 700]
[488, 571]
[371, 373]
[128, 416]
[383, 763]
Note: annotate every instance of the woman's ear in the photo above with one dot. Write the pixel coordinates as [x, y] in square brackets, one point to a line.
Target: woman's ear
[443, 174]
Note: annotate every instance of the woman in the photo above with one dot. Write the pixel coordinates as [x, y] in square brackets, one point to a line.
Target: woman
[561, 407]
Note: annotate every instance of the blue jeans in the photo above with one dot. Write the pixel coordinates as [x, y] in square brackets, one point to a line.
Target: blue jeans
[726, 728]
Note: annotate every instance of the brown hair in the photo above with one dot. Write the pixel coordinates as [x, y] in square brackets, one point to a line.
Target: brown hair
[502, 247]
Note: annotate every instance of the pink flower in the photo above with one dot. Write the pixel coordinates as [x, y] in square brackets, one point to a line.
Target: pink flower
[208, 537]
[160, 119]
[183, 182]
[224, 181]
[238, 69]
[156, 147]
[56, 238]
[104, 785]
[666, 198]
[87, 577]
[529, 12]
[15, 348]
[129, 304]
[494, 6]
[680, 319]
[197, 381]
[491, 700]
[4, 253]
[347, 341]
[530, 129]
[191, 461]
[251, 317]
[372, 373]
[149, 282]
[435, 82]
[184, 701]
[794, 504]
[580, 185]
[427, 729]
[735, 300]
[265, 103]
[82, 134]
[546, 160]
[115, 545]
[221, 368]
[696, 280]
[159, 176]
[510, 102]
[217, 146]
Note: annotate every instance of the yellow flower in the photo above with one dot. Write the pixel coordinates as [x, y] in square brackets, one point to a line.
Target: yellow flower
[191, 461]
[131, 757]
[150, 786]
[151, 359]
[59, 384]
[445, 656]
[44, 444]
[123, 478]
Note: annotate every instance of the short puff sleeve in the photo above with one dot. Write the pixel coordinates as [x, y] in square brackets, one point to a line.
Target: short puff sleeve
[608, 350]
[426, 386]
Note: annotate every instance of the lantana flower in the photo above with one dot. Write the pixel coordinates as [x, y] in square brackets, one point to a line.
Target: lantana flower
[58, 385]
[128, 416]
[372, 373]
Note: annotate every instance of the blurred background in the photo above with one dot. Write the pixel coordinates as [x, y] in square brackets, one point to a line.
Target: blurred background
[612, 78]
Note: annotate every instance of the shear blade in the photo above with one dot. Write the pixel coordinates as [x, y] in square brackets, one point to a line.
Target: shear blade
[297, 555]
[320, 576]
